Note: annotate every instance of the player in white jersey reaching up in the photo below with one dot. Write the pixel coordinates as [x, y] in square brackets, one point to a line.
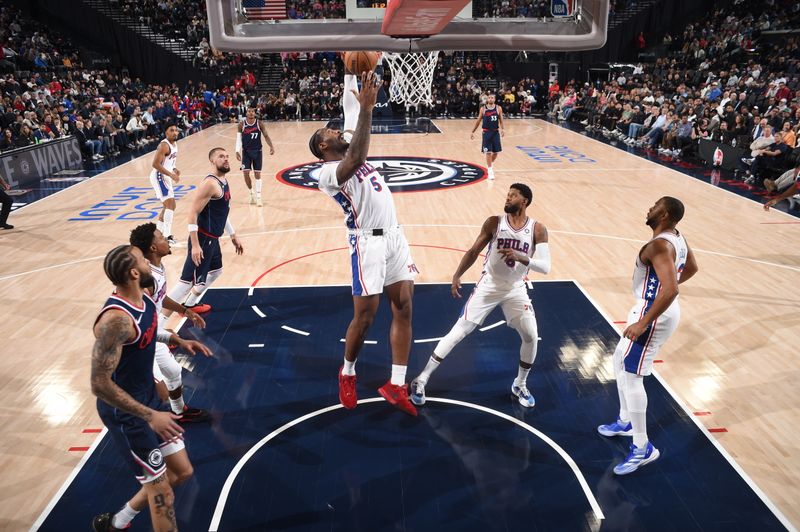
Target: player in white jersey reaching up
[162, 178]
[380, 257]
[661, 265]
[166, 370]
[517, 244]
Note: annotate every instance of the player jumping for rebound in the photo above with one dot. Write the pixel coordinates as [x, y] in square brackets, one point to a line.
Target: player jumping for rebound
[380, 257]
[491, 116]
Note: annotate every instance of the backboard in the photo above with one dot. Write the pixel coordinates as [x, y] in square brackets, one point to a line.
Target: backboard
[568, 25]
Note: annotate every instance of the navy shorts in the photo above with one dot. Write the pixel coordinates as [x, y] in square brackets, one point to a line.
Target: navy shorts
[212, 260]
[491, 142]
[252, 160]
[141, 449]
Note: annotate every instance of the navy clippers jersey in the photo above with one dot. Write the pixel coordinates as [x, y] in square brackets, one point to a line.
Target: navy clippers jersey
[134, 373]
[490, 119]
[251, 136]
[212, 219]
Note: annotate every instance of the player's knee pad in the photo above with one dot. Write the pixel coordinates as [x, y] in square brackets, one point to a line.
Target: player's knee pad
[635, 394]
[212, 276]
[527, 329]
[180, 291]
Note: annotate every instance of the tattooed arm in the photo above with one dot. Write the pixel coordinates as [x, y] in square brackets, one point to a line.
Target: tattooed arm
[112, 330]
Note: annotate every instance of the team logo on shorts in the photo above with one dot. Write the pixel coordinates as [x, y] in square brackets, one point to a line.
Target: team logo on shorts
[155, 458]
[402, 174]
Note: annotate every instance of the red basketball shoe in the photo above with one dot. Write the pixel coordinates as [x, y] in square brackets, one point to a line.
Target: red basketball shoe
[397, 396]
[347, 390]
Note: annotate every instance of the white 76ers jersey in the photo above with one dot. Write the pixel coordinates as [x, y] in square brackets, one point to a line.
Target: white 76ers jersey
[171, 159]
[646, 283]
[504, 272]
[160, 290]
[365, 198]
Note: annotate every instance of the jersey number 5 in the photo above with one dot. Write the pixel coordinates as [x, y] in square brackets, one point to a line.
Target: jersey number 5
[377, 186]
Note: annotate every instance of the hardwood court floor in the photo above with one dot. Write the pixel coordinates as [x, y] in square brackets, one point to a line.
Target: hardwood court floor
[733, 355]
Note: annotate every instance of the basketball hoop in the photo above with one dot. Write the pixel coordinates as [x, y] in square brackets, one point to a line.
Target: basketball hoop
[412, 77]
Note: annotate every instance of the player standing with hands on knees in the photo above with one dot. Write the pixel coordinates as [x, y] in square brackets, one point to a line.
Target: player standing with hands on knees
[248, 151]
[380, 257]
[491, 118]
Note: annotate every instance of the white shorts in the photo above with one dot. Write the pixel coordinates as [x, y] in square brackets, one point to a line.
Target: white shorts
[378, 261]
[514, 302]
[637, 355]
[162, 185]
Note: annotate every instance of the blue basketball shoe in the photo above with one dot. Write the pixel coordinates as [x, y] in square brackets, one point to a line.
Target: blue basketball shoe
[524, 396]
[617, 428]
[417, 394]
[637, 458]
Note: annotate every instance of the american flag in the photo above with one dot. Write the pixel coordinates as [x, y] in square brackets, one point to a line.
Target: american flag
[264, 9]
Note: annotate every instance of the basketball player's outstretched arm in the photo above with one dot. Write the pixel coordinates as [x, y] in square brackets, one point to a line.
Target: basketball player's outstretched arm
[359, 147]
[477, 123]
[487, 232]
[158, 162]
[661, 256]
[112, 330]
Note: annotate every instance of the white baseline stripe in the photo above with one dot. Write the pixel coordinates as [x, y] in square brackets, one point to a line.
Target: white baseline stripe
[761, 495]
[492, 326]
[427, 340]
[226, 488]
[258, 311]
[49, 508]
[369, 342]
[296, 331]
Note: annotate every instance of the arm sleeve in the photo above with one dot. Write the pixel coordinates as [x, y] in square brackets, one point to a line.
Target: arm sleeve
[239, 142]
[229, 228]
[540, 262]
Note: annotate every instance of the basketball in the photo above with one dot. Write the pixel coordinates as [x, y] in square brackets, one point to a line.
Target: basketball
[358, 62]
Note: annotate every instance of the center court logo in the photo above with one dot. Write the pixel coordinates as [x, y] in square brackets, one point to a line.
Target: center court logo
[402, 174]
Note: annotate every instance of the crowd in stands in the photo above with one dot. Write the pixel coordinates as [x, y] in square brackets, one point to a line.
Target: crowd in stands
[722, 81]
[108, 112]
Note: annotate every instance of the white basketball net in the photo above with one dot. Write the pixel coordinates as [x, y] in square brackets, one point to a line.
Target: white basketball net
[412, 77]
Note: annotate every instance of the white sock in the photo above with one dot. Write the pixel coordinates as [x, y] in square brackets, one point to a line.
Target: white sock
[258, 187]
[194, 297]
[177, 405]
[167, 225]
[430, 367]
[349, 368]
[398, 374]
[124, 517]
[522, 376]
[637, 403]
